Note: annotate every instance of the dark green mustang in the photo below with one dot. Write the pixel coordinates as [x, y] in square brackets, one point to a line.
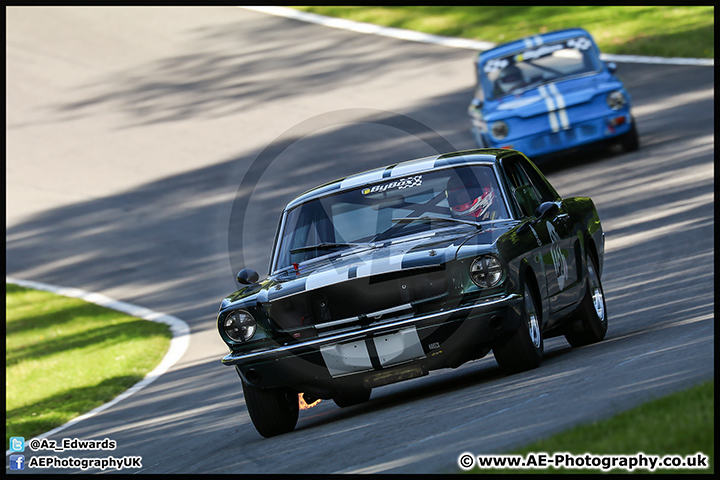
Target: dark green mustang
[385, 275]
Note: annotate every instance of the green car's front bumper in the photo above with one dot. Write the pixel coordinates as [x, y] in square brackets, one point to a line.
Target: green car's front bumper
[378, 354]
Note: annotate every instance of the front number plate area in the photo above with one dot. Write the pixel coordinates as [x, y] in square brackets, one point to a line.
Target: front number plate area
[398, 347]
[346, 358]
[355, 357]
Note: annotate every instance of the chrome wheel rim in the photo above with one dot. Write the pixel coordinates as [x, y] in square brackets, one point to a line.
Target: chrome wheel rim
[532, 320]
[597, 295]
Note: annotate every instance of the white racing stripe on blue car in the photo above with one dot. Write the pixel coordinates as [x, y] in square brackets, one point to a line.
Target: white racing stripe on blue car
[550, 107]
[533, 41]
[562, 113]
[555, 103]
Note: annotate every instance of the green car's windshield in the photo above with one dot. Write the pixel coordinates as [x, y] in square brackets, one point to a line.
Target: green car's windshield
[512, 74]
[460, 197]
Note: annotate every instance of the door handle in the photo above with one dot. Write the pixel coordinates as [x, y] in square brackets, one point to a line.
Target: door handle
[563, 218]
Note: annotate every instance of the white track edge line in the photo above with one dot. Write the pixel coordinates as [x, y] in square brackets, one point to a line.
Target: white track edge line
[178, 344]
[402, 34]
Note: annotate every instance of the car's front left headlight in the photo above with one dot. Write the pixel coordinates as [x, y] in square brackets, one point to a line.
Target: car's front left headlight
[616, 100]
[239, 326]
[486, 271]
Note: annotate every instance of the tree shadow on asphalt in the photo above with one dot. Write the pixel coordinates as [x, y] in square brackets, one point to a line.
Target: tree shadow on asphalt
[227, 71]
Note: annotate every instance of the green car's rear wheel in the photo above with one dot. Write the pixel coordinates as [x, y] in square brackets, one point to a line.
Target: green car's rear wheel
[592, 312]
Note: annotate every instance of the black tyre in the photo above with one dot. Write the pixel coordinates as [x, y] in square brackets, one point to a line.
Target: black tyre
[631, 141]
[273, 411]
[524, 350]
[352, 396]
[592, 311]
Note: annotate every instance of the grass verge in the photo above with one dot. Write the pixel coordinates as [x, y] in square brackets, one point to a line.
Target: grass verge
[681, 424]
[64, 357]
[664, 31]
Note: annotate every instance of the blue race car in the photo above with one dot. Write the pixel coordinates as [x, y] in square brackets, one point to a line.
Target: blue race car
[548, 94]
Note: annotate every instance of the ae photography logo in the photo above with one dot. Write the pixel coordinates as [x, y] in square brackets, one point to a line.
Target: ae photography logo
[587, 461]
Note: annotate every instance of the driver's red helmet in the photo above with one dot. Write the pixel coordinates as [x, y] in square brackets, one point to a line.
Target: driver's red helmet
[469, 195]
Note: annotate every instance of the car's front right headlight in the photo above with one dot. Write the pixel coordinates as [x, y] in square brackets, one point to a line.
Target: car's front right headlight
[239, 326]
[616, 100]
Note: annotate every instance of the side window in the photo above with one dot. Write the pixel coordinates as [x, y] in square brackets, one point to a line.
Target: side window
[524, 193]
[542, 187]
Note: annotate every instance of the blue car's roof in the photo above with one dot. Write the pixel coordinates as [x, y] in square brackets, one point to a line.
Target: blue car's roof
[532, 41]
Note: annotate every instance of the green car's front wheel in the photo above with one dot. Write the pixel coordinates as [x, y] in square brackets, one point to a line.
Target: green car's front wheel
[524, 350]
[273, 411]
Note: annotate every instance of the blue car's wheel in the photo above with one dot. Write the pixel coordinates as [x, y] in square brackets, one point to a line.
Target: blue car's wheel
[631, 140]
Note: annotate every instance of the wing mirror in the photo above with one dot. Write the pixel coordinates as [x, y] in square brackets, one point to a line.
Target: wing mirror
[611, 66]
[546, 210]
[247, 276]
[475, 108]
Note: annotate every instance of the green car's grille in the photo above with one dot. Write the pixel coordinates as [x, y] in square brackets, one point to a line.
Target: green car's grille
[351, 301]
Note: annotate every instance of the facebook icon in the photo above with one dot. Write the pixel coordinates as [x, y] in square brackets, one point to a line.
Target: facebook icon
[17, 462]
